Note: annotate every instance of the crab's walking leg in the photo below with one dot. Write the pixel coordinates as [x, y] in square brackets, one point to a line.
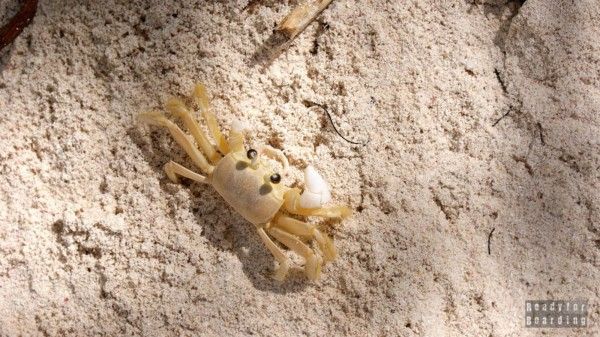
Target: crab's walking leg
[313, 264]
[201, 99]
[275, 154]
[174, 170]
[307, 231]
[292, 205]
[159, 119]
[236, 141]
[284, 261]
[178, 108]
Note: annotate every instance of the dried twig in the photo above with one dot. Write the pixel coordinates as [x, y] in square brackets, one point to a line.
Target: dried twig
[500, 80]
[539, 125]
[283, 35]
[490, 241]
[323, 107]
[251, 5]
[300, 17]
[15, 26]
[501, 118]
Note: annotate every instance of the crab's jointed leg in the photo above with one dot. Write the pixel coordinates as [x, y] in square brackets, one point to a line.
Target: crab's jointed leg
[307, 232]
[275, 154]
[312, 268]
[292, 205]
[201, 99]
[156, 118]
[236, 140]
[284, 261]
[174, 170]
[178, 108]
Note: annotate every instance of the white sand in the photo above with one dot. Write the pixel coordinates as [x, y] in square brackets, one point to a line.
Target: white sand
[95, 240]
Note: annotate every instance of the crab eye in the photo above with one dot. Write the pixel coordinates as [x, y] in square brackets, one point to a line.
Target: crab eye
[251, 154]
[275, 178]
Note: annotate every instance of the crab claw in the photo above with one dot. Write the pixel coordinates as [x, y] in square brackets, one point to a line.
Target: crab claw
[316, 190]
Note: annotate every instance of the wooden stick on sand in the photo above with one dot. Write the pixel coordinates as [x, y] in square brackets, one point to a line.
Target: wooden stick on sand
[300, 17]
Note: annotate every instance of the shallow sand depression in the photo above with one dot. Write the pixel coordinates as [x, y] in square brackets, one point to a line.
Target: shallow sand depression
[477, 116]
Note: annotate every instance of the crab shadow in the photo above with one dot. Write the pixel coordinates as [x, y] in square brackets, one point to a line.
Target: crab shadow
[213, 214]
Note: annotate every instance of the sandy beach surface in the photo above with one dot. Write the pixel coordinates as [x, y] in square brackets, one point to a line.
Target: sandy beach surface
[478, 116]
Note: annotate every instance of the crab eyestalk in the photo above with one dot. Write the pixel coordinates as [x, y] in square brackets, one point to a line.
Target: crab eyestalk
[253, 156]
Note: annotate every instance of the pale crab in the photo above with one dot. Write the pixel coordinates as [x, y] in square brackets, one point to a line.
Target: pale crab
[252, 188]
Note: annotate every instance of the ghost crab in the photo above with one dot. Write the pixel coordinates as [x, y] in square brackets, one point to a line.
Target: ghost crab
[251, 187]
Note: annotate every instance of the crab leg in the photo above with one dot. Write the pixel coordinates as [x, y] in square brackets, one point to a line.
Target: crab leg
[156, 118]
[174, 169]
[307, 231]
[275, 154]
[178, 108]
[284, 261]
[201, 99]
[313, 264]
[292, 205]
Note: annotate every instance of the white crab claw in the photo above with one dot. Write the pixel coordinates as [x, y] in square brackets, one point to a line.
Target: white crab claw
[316, 190]
[239, 126]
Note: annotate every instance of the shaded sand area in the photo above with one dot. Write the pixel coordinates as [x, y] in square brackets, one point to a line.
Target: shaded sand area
[479, 116]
